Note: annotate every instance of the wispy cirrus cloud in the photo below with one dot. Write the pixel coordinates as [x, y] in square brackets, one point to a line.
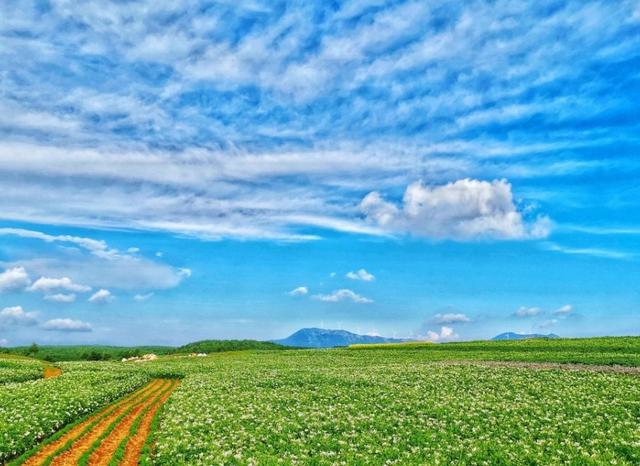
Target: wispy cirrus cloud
[263, 122]
[96, 265]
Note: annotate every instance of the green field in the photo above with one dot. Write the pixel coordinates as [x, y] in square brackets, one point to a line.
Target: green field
[400, 404]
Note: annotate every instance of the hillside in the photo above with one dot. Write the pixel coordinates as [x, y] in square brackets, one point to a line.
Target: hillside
[109, 353]
[86, 352]
[522, 336]
[216, 346]
[325, 338]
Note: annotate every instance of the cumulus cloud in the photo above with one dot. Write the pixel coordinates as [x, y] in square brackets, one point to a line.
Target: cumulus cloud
[564, 310]
[445, 334]
[47, 284]
[524, 312]
[342, 295]
[67, 325]
[450, 318]
[14, 279]
[142, 297]
[101, 296]
[361, 274]
[299, 291]
[463, 209]
[61, 297]
[4, 342]
[184, 272]
[16, 315]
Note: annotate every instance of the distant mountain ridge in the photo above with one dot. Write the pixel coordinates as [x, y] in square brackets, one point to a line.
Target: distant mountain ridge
[326, 338]
[523, 336]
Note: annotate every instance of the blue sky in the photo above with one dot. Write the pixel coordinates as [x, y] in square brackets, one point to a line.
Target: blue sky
[174, 171]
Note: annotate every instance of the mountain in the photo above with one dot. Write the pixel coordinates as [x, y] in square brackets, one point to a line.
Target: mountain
[522, 336]
[324, 338]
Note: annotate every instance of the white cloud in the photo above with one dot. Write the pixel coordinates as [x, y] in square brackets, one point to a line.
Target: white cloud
[361, 274]
[564, 310]
[593, 252]
[67, 325]
[16, 315]
[450, 318]
[4, 342]
[133, 250]
[548, 323]
[47, 284]
[97, 247]
[342, 295]
[463, 209]
[94, 263]
[14, 279]
[524, 312]
[61, 297]
[445, 334]
[300, 291]
[142, 297]
[101, 296]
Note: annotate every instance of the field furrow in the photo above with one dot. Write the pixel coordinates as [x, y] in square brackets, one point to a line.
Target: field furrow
[137, 440]
[81, 432]
[84, 444]
[106, 447]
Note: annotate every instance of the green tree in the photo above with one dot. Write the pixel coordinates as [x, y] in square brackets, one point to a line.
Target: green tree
[34, 348]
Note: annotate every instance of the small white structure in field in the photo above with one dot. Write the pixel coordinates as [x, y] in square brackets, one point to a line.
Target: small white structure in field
[143, 358]
[201, 355]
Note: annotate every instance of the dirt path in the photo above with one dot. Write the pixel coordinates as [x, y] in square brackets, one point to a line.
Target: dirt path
[136, 442]
[96, 438]
[51, 371]
[101, 456]
[550, 365]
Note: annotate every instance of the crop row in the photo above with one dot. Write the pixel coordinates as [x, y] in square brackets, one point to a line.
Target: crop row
[19, 370]
[339, 407]
[33, 410]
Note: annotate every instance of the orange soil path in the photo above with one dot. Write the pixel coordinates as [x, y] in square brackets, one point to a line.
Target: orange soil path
[135, 444]
[88, 431]
[102, 455]
[51, 371]
[84, 443]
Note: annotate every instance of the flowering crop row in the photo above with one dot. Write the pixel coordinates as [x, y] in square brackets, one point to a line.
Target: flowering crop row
[30, 411]
[350, 407]
[19, 370]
